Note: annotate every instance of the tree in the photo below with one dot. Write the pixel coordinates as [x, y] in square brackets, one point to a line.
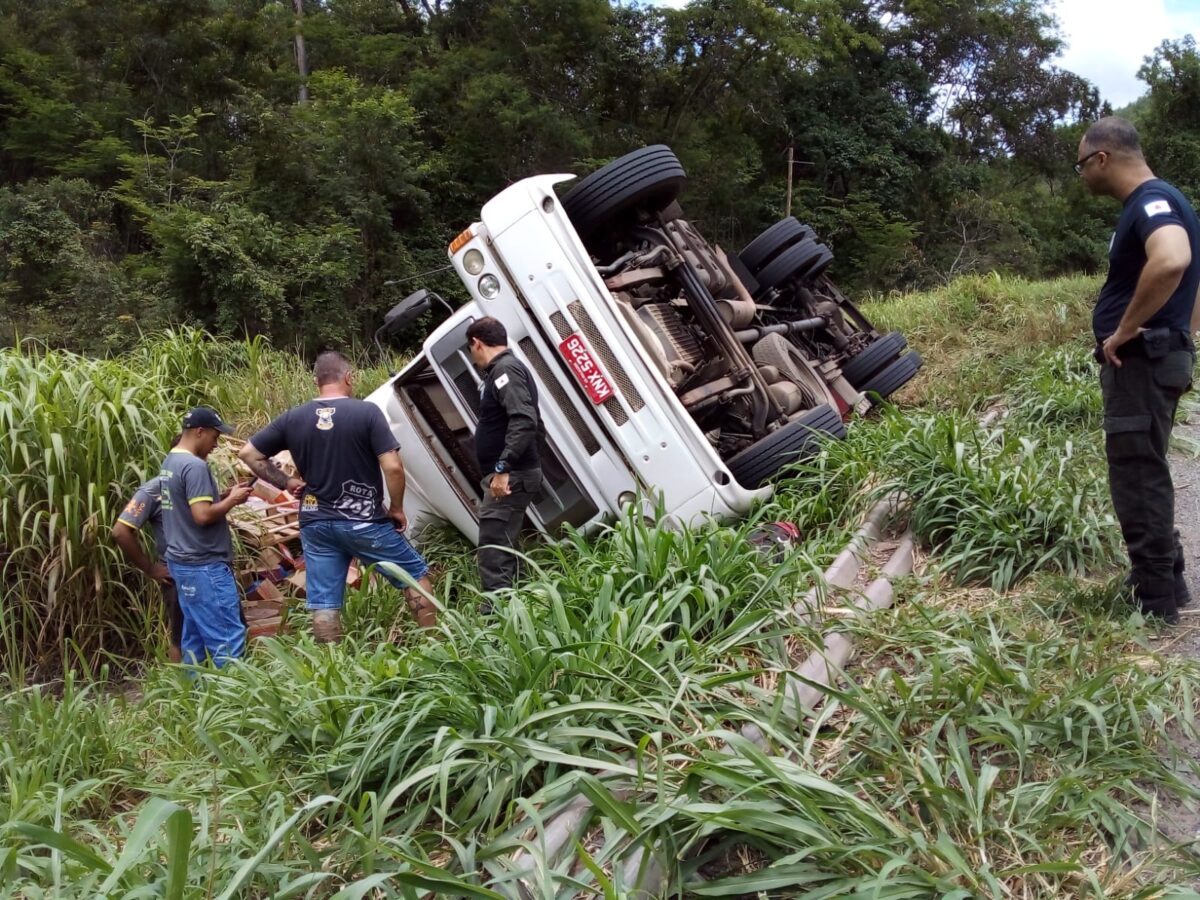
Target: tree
[1170, 120]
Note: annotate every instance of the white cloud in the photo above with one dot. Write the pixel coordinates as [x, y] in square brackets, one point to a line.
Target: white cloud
[1108, 40]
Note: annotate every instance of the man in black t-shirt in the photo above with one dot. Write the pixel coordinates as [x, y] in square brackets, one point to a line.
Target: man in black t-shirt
[344, 452]
[1143, 323]
[507, 449]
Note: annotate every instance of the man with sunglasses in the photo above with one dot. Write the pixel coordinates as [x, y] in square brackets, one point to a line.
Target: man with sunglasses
[1143, 321]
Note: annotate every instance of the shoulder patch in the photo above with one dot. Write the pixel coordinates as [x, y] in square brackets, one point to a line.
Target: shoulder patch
[501, 381]
[1154, 207]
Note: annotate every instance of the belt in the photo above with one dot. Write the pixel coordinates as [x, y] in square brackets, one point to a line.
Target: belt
[1174, 340]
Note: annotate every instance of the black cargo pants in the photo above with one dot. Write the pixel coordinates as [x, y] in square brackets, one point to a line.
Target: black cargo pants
[1140, 399]
[500, 521]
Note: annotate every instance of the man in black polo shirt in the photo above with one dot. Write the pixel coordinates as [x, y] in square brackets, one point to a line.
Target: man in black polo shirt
[346, 455]
[506, 442]
[1143, 321]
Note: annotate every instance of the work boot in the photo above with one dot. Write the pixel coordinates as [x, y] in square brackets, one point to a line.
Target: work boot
[1182, 595]
[327, 626]
[1161, 608]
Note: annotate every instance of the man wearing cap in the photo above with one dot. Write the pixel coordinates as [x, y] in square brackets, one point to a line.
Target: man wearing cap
[145, 507]
[345, 453]
[199, 546]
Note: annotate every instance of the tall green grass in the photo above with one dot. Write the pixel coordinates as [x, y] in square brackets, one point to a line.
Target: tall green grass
[77, 435]
[979, 332]
[992, 745]
[1004, 751]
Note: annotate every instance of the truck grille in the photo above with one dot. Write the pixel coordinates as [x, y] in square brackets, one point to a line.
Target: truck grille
[612, 404]
[589, 329]
[555, 388]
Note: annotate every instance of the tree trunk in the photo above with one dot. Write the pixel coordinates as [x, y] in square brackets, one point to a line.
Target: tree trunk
[301, 58]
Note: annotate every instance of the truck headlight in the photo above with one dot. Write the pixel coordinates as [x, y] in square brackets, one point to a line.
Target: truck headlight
[473, 262]
[489, 287]
[625, 498]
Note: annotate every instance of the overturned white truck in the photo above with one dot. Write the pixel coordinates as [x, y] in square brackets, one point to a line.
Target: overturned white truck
[665, 365]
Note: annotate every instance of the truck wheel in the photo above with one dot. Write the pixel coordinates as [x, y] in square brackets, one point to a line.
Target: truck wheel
[877, 355]
[779, 236]
[795, 441]
[776, 350]
[648, 179]
[894, 376]
[806, 259]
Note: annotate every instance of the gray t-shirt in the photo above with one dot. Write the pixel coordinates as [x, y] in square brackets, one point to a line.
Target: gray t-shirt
[146, 506]
[186, 479]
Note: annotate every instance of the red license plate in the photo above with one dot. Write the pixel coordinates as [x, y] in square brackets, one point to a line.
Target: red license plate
[580, 359]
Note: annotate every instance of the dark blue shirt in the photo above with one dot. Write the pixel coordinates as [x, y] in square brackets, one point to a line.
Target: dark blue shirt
[1152, 205]
[336, 443]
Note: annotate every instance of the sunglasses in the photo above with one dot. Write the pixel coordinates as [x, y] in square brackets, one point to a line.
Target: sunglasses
[1080, 163]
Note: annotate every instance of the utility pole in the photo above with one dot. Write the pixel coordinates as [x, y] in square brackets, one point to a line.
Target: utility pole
[301, 58]
[787, 206]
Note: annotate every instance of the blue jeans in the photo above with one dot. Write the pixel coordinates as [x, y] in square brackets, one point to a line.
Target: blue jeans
[212, 612]
[330, 545]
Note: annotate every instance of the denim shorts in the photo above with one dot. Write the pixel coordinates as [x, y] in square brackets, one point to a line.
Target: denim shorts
[212, 612]
[330, 545]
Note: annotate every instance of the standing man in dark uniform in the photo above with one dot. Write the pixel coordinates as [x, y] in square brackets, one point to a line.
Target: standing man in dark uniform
[506, 445]
[1143, 322]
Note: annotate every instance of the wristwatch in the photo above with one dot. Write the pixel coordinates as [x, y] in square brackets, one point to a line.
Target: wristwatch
[501, 467]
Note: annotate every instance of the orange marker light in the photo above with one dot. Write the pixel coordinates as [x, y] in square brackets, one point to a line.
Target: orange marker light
[461, 241]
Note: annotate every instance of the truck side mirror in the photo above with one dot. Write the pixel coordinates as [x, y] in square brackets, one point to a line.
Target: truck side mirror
[406, 311]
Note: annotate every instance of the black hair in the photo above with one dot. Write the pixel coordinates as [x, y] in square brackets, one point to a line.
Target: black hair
[489, 331]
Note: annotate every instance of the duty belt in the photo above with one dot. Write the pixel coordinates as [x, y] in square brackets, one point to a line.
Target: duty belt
[1153, 343]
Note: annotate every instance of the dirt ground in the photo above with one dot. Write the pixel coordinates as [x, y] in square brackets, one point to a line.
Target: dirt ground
[1178, 821]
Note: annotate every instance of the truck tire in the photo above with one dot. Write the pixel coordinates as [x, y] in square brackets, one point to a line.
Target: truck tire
[807, 259]
[894, 376]
[795, 441]
[767, 245]
[648, 179]
[877, 355]
[776, 350]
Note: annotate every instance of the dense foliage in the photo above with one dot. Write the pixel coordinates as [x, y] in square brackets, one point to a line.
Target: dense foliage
[158, 163]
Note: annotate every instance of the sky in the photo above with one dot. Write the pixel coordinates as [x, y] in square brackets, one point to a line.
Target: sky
[1107, 40]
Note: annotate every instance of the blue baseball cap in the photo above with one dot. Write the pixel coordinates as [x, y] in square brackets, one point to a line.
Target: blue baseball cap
[204, 417]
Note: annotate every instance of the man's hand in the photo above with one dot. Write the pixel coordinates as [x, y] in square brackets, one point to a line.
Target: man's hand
[399, 519]
[160, 573]
[295, 486]
[499, 485]
[1115, 341]
[239, 493]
